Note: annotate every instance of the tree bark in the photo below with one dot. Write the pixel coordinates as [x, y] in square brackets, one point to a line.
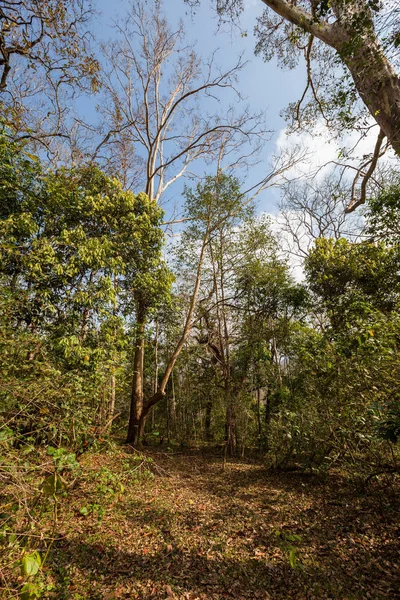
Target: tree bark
[259, 414]
[208, 419]
[353, 36]
[230, 426]
[111, 404]
[173, 407]
[379, 87]
[136, 417]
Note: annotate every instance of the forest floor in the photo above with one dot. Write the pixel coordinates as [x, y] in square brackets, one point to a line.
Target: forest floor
[181, 526]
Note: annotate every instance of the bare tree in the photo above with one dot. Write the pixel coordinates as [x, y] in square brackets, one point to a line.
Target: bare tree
[153, 87]
[44, 59]
[313, 209]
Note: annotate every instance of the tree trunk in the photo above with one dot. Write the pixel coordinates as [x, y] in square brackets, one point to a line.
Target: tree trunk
[376, 81]
[113, 380]
[168, 417]
[208, 419]
[139, 408]
[353, 36]
[111, 406]
[173, 407]
[259, 414]
[136, 421]
[268, 416]
[230, 426]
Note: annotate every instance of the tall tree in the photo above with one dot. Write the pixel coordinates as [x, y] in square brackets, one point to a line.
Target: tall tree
[350, 51]
[152, 128]
[73, 246]
[153, 85]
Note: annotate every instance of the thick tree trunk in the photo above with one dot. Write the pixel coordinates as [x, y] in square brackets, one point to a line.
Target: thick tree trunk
[374, 77]
[353, 36]
[379, 87]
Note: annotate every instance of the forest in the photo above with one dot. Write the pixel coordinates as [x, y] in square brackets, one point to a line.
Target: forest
[199, 299]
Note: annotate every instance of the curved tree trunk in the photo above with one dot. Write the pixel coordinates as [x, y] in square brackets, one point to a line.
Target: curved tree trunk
[353, 36]
[379, 87]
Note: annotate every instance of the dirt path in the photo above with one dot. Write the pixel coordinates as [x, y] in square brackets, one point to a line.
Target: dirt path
[192, 531]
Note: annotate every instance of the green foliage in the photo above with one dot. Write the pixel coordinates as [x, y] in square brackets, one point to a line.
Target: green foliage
[358, 288]
[288, 544]
[354, 279]
[75, 251]
[382, 222]
[30, 591]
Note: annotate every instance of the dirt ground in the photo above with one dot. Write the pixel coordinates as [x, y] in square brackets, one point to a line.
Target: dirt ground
[181, 526]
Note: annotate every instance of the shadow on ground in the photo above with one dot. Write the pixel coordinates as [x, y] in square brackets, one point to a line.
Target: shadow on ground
[198, 532]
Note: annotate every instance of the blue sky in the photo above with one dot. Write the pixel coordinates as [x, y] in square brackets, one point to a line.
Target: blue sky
[265, 85]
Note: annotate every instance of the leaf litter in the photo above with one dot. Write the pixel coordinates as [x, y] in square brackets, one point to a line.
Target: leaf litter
[185, 528]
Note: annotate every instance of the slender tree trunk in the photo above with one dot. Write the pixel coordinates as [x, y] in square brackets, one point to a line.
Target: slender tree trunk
[168, 420]
[113, 381]
[259, 413]
[268, 396]
[277, 361]
[156, 359]
[208, 419]
[173, 406]
[230, 420]
[153, 411]
[139, 408]
[111, 406]
[136, 417]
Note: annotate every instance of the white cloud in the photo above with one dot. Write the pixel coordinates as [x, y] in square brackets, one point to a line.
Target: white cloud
[323, 150]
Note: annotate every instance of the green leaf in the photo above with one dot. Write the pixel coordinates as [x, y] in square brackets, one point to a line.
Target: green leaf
[6, 434]
[31, 563]
[292, 557]
[293, 537]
